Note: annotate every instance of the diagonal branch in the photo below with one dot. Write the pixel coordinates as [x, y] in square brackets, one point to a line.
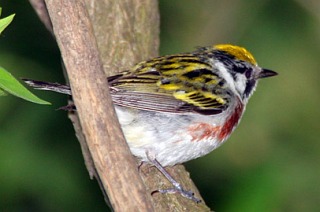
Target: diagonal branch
[75, 37]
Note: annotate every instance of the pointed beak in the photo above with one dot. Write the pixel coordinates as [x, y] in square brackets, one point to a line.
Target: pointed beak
[267, 73]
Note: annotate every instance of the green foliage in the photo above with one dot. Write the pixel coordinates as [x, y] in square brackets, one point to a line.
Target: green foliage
[4, 22]
[14, 87]
[8, 82]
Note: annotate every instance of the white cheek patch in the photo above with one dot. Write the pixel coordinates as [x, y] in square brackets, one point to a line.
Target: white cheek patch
[240, 83]
[237, 85]
[227, 76]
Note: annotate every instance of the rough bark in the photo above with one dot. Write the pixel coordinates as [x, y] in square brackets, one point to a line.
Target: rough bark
[111, 155]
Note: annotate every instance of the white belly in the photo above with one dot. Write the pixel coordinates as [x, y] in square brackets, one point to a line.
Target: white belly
[171, 138]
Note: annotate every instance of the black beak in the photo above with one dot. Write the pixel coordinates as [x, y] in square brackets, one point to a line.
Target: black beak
[267, 73]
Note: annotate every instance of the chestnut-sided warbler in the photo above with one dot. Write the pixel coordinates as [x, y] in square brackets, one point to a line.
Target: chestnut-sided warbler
[176, 108]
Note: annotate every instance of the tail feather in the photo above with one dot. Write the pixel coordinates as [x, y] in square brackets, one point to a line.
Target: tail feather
[48, 86]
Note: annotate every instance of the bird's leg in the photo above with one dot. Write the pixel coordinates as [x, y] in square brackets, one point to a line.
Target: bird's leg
[177, 188]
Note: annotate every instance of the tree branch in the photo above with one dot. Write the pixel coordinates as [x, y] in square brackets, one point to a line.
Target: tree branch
[40, 7]
[110, 153]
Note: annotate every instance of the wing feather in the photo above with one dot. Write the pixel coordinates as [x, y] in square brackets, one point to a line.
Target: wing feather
[173, 84]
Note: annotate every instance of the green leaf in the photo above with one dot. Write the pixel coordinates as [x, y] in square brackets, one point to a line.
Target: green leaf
[2, 93]
[14, 87]
[4, 22]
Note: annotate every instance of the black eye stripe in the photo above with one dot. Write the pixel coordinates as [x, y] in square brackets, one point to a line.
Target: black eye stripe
[242, 68]
[237, 66]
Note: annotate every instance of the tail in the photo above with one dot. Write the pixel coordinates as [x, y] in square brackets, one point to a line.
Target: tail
[48, 86]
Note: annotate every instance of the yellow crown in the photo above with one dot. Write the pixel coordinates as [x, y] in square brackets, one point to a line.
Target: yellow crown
[238, 52]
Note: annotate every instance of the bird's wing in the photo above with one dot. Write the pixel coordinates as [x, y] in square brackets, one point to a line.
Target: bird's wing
[173, 84]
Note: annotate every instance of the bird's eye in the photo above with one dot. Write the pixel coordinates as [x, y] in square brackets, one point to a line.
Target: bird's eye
[239, 69]
[248, 73]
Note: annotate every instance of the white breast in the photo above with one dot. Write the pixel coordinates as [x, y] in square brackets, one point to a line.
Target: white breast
[172, 138]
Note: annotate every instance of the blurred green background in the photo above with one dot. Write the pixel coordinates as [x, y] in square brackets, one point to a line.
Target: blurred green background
[270, 163]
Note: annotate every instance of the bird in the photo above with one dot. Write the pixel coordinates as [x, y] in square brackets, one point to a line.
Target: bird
[175, 108]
